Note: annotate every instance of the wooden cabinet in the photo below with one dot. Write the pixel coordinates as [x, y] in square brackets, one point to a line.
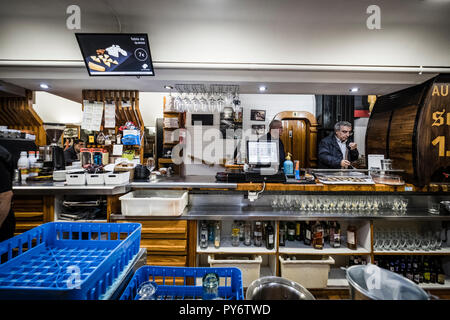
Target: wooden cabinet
[32, 211]
[166, 241]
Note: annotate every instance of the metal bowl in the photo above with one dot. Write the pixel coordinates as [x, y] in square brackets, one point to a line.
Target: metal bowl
[277, 288]
[387, 285]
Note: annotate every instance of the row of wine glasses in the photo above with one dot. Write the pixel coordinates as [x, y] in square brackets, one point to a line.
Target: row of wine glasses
[335, 203]
[196, 98]
[406, 239]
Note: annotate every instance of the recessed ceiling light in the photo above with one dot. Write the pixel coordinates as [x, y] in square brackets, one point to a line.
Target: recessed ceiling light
[168, 87]
[354, 89]
[262, 88]
[44, 86]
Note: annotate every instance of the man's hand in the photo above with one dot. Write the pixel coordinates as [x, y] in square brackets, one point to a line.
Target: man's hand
[352, 145]
[345, 163]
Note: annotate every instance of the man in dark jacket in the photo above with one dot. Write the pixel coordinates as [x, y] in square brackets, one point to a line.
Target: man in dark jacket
[274, 134]
[71, 153]
[336, 151]
[7, 219]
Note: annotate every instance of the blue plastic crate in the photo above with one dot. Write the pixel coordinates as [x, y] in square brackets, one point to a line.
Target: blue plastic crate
[66, 260]
[168, 279]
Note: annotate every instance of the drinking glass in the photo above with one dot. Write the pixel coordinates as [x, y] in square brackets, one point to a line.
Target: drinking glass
[220, 102]
[212, 102]
[147, 290]
[178, 103]
[204, 103]
[195, 103]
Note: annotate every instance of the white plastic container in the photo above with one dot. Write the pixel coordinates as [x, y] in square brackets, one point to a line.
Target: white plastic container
[23, 165]
[76, 178]
[250, 266]
[59, 175]
[154, 203]
[309, 271]
[117, 178]
[95, 178]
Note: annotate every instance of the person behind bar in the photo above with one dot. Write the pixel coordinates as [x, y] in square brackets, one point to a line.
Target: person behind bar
[336, 151]
[7, 219]
[71, 153]
[275, 131]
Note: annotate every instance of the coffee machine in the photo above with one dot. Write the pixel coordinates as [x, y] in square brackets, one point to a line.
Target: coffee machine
[53, 154]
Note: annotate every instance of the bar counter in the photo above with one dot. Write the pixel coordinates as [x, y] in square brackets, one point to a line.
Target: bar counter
[210, 183]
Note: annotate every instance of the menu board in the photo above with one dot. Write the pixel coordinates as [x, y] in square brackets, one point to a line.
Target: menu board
[116, 54]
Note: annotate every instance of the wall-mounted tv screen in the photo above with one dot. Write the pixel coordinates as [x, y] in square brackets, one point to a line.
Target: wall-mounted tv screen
[116, 54]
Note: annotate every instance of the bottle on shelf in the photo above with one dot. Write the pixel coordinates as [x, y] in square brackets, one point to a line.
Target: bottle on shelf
[23, 166]
[317, 237]
[211, 230]
[441, 274]
[351, 237]
[416, 270]
[247, 233]
[434, 272]
[326, 232]
[217, 235]
[241, 231]
[298, 233]
[308, 234]
[283, 232]
[270, 236]
[426, 271]
[257, 236]
[335, 235]
[203, 235]
[290, 231]
[235, 234]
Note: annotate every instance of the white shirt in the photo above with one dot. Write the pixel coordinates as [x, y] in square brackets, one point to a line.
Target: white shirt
[343, 147]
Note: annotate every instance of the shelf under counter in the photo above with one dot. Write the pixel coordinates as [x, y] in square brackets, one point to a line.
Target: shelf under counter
[295, 247]
[233, 212]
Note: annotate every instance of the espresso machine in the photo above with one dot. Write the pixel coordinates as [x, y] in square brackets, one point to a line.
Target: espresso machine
[53, 154]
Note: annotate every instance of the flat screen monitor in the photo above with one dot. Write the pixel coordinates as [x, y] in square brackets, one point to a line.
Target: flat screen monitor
[116, 54]
[262, 152]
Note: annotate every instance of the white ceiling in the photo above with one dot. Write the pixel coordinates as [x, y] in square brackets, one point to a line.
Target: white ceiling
[69, 82]
[34, 38]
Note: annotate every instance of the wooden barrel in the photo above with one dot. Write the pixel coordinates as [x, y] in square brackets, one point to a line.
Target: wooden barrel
[412, 127]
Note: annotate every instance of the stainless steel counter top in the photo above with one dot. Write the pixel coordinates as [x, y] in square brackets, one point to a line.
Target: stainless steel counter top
[184, 182]
[52, 188]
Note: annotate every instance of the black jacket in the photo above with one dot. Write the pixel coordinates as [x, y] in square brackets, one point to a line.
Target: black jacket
[70, 155]
[281, 154]
[330, 155]
[8, 226]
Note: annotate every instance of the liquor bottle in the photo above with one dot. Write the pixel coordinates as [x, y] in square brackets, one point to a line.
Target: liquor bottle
[283, 231]
[392, 266]
[217, 235]
[415, 270]
[420, 264]
[241, 231]
[317, 240]
[235, 234]
[308, 234]
[326, 232]
[247, 233]
[426, 271]
[264, 235]
[203, 236]
[298, 236]
[434, 272]
[351, 261]
[211, 230]
[441, 274]
[257, 238]
[270, 236]
[409, 273]
[291, 231]
[351, 237]
[335, 235]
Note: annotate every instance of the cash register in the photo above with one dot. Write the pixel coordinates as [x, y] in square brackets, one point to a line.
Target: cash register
[262, 165]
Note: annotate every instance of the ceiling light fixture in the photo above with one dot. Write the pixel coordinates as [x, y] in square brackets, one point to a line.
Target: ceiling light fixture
[44, 86]
[354, 89]
[262, 88]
